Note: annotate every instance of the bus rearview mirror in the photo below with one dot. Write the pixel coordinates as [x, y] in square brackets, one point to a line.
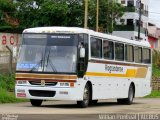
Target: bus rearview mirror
[82, 52]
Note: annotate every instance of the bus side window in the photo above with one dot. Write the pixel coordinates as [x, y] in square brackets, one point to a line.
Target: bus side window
[138, 54]
[146, 55]
[108, 50]
[119, 51]
[129, 53]
[96, 47]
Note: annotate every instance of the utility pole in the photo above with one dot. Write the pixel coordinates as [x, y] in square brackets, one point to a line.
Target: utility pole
[139, 25]
[97, 16]
[10, 59]
[86, 14]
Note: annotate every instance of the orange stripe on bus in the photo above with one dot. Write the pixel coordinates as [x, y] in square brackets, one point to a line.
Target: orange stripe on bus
[45, 76]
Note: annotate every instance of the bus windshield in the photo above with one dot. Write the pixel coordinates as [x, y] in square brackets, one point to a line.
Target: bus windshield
[48, 53]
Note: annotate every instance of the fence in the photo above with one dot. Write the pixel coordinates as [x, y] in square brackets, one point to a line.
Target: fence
[4, 64]
[4, 59]
[156, 84]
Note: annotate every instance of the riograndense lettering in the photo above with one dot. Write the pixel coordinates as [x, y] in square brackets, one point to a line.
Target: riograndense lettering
[113, 68]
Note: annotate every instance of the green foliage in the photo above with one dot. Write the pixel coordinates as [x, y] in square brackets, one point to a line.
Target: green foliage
[154, 94]
[7, 97]
[50, 13]
[62, 13]
[156, 57]
[7, 82]
[7, 6]
[7, 86]
[155, 70]
[11, 29]
[109, 12]
[7, 11]
[156, 63]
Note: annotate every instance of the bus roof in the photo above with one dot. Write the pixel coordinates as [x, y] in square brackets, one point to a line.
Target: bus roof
[87, 31]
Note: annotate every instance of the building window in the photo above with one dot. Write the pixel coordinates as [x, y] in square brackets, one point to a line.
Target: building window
[96, 47]
[138, 54]
[142, 6]
[119, 51]
[137, 23]
[130, 22]
[146, 55]
[130, 3]
[123, 1]
[129, 52]
[108, 50]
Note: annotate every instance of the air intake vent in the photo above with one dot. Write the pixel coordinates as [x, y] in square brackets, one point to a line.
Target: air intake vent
[42, 93]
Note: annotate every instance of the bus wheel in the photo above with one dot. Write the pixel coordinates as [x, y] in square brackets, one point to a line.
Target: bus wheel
[86, 97]
[130, 98]
[36, 102]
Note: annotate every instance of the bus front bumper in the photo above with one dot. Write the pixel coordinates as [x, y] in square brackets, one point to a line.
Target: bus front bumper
[49, 93]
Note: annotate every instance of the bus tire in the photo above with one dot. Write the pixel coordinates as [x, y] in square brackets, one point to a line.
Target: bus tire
[36, 102]
[129, 100]
[86, 97]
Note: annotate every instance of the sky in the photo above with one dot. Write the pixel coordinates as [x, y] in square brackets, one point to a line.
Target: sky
[154, 12]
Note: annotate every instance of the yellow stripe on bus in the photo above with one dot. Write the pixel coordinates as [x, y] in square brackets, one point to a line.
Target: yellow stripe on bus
[131, 73]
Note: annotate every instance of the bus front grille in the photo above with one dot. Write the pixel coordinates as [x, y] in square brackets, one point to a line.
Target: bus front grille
[46, 83]
[42, 93]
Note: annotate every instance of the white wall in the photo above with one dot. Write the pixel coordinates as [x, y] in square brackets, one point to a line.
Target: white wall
[9, 39]
[134, 16]
[125, 34]
[129, 34]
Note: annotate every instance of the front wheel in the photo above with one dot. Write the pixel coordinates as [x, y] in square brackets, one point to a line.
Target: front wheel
[128, 100]
[86, 97]
[36, 102]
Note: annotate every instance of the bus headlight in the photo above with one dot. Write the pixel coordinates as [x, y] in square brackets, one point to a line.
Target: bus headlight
[21, 82]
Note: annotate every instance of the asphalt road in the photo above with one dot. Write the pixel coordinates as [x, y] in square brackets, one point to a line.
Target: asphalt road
[68, 110]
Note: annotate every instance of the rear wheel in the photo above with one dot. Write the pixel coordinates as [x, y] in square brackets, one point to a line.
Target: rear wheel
[130, 98]
[36, 102]
[86, 97]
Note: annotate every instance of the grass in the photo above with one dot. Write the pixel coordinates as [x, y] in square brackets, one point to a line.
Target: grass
[155, 70]
[7, 86]
[9, 97]
[156, 63]
[154, 94]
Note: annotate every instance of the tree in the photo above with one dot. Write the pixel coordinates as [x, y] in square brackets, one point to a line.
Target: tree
[109, 12]
[33, 13]
[7, 9]
[42, 12]
[75, 13]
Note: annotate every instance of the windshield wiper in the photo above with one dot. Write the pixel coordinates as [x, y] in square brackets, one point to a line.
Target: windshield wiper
[41, 62]
[37, 65]
[50, 62]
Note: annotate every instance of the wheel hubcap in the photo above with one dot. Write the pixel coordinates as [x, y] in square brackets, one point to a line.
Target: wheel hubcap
[131, 94]
[86, 94]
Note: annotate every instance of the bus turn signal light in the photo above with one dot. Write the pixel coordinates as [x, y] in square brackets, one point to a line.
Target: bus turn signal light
[71, 84]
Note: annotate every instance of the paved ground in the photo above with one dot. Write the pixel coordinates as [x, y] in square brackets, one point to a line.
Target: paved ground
[69, 109]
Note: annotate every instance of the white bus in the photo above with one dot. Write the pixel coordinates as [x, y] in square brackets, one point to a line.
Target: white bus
[68, 63]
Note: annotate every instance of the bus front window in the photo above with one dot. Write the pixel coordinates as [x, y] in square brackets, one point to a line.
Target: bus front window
[49, 53]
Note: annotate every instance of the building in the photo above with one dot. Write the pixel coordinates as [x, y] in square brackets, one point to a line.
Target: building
[154, 36]
[127, 26]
